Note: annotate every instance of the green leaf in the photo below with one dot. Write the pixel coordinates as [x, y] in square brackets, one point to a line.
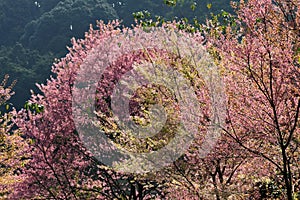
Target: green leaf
[193, 6]
[170, 2]
[258, 20]
[209, 5]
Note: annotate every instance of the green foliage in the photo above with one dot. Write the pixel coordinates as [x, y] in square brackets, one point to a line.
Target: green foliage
[141, 14]
[218, 23]
[14, 15]
[127, 9]
[33, 107]
[170, 2]
[27, 67]
[145, 19]
[193, 6]
[190, 12]
[69, 18]
[199, 10]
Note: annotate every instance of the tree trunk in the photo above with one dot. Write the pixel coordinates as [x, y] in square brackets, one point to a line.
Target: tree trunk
[287, 175]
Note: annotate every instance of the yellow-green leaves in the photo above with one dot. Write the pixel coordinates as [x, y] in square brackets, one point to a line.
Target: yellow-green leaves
[209, 5]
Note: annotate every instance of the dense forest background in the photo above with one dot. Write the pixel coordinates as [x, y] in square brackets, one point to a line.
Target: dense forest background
[34, 33]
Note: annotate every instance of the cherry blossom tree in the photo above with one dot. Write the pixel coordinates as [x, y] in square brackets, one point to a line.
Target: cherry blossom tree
[261, 67]
[11, 145]
[60, 166]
